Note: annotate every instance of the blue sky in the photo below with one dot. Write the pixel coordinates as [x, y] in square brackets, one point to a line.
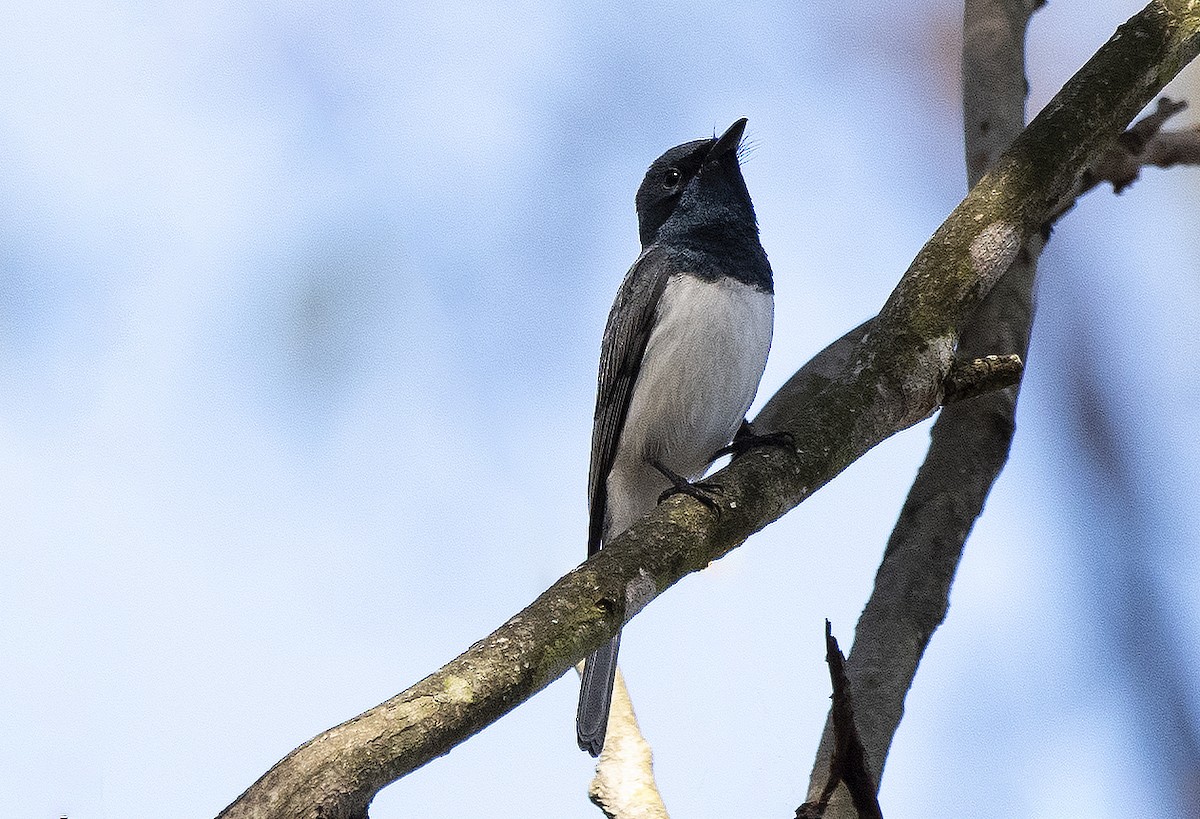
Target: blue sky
[300, 307]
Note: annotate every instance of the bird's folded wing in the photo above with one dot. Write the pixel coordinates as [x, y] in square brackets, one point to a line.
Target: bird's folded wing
[629, 324]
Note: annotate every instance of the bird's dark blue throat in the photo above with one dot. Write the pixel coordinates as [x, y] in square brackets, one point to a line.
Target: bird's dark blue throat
[712, 258]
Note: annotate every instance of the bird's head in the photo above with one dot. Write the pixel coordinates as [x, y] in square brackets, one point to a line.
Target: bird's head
[694, 186]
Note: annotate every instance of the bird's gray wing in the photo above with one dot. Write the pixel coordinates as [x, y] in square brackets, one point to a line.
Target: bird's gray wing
[629, 324]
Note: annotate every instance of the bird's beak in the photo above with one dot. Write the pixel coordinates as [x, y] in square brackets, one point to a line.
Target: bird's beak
[729, 140]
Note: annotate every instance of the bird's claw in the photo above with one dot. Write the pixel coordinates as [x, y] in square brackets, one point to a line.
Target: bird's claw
[682, 486]
[746, 441]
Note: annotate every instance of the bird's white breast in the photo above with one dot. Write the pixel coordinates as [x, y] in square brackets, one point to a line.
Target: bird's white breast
[698, 376]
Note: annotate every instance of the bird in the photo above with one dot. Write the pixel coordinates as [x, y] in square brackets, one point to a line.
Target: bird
[683, 350]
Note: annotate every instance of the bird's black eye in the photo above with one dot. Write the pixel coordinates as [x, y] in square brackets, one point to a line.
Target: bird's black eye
[671, 177]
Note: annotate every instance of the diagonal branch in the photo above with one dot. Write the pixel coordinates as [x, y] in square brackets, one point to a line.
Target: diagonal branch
[970, 441]
[894, 381]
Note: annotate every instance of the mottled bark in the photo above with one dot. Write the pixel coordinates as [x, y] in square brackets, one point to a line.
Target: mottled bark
[970, 441]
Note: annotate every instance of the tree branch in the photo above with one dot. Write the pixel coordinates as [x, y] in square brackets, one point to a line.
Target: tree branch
[970, 379]
[970, 440]
[624, 786]
[1145, 143]
[848, 764]
[894, 381]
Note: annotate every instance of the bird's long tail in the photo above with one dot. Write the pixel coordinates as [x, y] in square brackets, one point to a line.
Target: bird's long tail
[595, 696]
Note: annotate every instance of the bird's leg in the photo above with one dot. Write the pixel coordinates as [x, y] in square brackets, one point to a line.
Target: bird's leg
[682, 486]
[747, 439]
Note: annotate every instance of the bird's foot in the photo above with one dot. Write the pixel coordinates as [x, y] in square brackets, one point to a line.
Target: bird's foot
[682, 486]
[747, 439]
